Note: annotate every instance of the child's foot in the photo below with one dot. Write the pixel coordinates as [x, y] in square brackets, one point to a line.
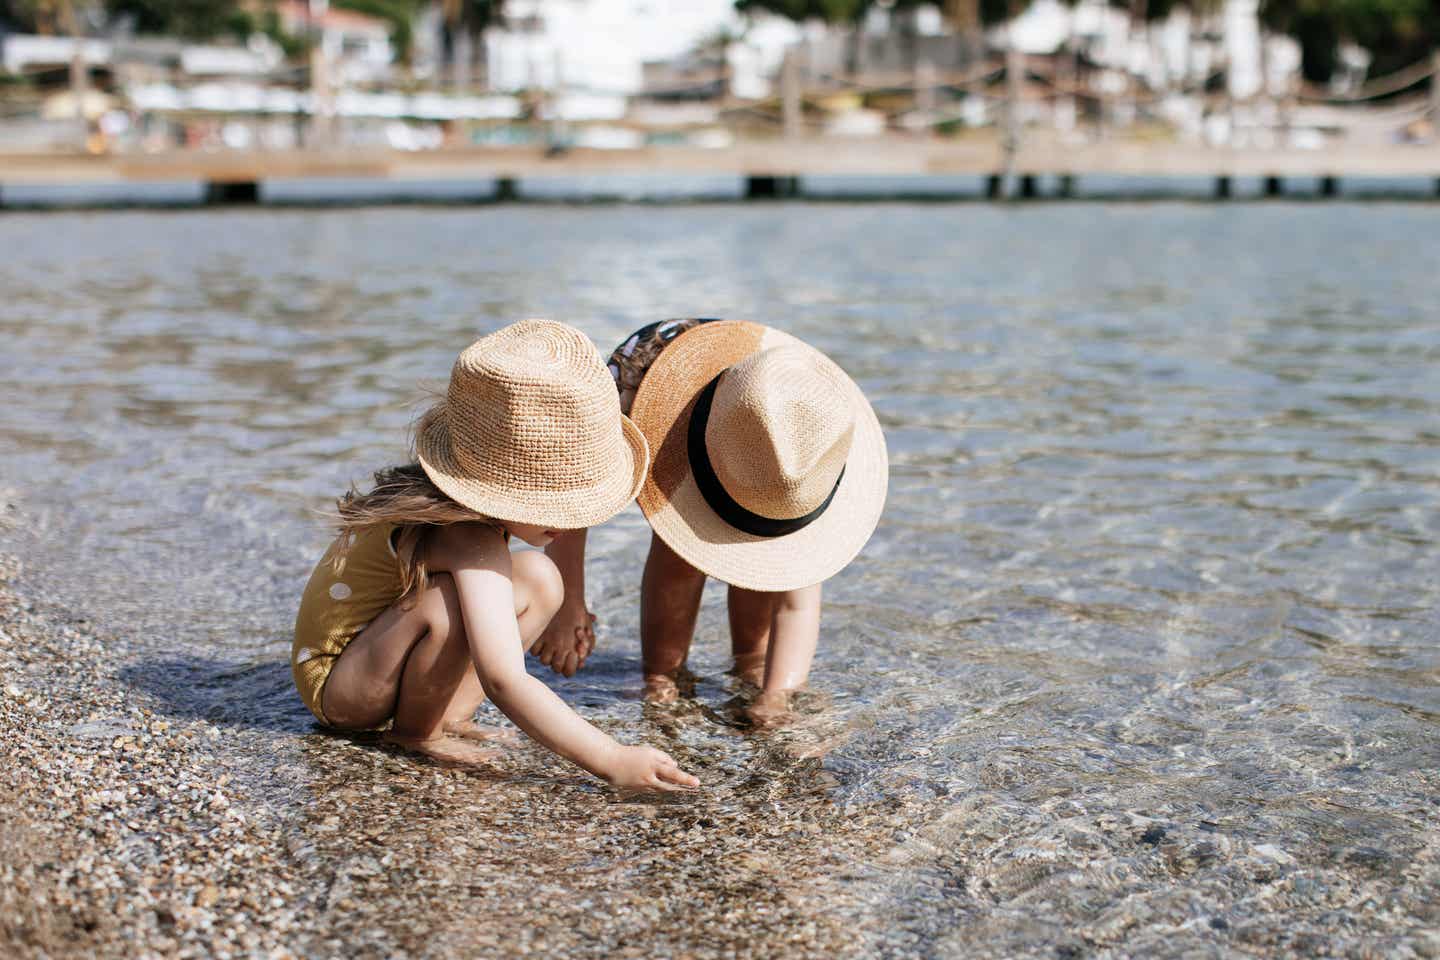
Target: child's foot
[444, 749]
[750, 667]
[661, 688]
[470, 730]
[771, 709]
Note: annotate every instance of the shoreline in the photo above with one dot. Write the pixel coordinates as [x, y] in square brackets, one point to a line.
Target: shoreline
[131, 830]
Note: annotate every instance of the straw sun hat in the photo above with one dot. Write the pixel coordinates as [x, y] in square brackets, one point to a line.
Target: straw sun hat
[770, 468]
[530, 430]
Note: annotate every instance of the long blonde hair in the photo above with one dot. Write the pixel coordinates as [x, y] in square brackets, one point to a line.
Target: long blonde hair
[406, 497]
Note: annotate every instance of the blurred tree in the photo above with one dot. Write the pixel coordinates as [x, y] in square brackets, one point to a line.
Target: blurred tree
[465, 23]
[191, 19]
[839, 12]
[31, 16]
[1397, 32]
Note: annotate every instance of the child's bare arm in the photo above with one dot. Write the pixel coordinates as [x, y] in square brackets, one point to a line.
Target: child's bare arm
[487, 604]
[570, 636]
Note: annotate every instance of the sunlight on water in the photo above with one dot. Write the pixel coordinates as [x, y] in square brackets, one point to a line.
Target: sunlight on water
[1143, 655]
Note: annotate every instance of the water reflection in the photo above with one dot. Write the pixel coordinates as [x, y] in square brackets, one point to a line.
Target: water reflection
[1143, 656]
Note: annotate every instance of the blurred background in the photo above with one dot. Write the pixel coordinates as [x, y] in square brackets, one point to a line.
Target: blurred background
[1006, 88]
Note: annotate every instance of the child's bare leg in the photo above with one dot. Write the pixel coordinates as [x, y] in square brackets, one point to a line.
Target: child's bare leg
[794, 634]
[752, 613]
[538, 594]
[670, 592]
[408, 664]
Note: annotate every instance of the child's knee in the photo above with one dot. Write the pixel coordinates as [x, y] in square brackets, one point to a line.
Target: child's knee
[665, 563]
[539, 580]
[805, 598]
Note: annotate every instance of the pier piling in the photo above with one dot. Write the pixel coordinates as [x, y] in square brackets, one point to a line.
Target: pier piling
[995, 187]
[1329, 186]
[1066, 188]
[232, 192]
[1223, 188]
[507, 189]
[771, 188]
[1274, 186]
[1029, 186]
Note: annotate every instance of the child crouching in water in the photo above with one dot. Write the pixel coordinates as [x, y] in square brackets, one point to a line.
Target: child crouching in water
[419, 612]
[769, 474]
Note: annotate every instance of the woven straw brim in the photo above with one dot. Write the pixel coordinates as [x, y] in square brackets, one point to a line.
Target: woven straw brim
[568, 509]
[681, 517]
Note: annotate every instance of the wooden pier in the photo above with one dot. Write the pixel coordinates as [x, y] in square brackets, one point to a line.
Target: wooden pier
[770, 169]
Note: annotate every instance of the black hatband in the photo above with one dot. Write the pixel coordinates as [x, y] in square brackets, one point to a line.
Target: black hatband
[714, 491]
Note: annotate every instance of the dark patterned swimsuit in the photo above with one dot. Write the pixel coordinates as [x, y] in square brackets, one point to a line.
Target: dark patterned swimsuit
[631, 360]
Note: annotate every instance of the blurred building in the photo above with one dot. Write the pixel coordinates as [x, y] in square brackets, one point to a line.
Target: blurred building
[599, 47]
[357, 46]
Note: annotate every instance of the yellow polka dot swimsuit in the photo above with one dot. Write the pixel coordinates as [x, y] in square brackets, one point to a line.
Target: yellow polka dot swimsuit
[342, 597]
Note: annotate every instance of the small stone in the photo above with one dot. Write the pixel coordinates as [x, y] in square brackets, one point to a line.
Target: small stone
[1271, 852]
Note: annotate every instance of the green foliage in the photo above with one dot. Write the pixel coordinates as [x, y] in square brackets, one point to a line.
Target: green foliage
[830, 11]
[1397, 32]
[472, 16]
[190, 19]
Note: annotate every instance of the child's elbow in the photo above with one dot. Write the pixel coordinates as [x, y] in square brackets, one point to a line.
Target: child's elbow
[503, 689]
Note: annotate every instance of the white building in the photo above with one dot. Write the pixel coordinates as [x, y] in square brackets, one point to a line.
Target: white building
[357, 46]
[1179, 51]
[597, 46]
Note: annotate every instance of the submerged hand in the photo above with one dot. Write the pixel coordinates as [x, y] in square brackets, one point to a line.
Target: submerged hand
[645, 768]
[566, 641]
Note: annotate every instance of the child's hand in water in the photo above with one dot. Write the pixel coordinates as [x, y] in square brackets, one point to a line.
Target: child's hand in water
[566, 641]
[645, 768]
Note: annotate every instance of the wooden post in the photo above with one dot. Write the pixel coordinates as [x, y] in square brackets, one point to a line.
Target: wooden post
[1010, 138]
[1274, 186]
[1435, 91]
[79, 72]
[790, 94]
[321, 105]
[768, 187]
[1222, 187]
[462, 52]
[1067, 185]
[1329, 186]
[507, 189]
[220, 192]
[925, 89]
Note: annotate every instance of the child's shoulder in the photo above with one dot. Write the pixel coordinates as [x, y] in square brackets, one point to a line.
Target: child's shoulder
[470, 540]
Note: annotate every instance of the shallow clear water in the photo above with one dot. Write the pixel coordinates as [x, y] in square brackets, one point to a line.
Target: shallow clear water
[1142, 658]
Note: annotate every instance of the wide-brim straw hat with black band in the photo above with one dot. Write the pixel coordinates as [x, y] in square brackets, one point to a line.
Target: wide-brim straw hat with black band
[769, 468]
[530, 430]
